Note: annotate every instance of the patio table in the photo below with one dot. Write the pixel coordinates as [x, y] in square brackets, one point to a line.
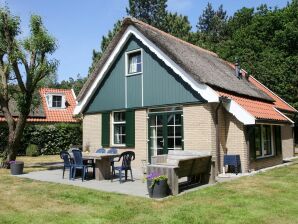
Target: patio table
[102, 163]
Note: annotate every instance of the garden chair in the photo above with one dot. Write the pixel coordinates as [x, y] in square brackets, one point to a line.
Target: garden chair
[64, 155]
[102, 150]
[113, 151]
[126, 157]
[78, 164]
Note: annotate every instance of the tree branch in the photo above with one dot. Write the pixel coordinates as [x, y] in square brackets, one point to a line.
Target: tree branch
[16, 70]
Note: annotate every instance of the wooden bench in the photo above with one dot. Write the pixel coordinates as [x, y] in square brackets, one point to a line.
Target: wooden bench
[178, 164]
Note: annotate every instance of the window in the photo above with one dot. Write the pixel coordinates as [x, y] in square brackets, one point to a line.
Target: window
[57, 101]
[119, 124]
[263, 141]
[134, 62]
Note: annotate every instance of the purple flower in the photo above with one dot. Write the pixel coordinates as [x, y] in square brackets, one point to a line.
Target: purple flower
[153, 175]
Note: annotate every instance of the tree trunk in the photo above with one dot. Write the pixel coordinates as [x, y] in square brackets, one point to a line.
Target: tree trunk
[14, 140]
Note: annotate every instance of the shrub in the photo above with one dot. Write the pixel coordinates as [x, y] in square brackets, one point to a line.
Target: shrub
[49, 138]
[32, 150]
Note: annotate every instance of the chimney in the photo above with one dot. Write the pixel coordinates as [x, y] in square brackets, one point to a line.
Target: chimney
[238, 70]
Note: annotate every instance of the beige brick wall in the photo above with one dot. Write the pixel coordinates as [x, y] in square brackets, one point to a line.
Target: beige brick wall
[200, 133]
[287, 141]
[236, 140]
[92, 131]
[199, 129]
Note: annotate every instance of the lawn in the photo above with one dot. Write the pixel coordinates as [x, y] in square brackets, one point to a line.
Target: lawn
[270, 197]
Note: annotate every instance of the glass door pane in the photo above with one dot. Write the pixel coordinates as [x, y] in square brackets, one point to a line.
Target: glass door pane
[156, 141]
[174, 131]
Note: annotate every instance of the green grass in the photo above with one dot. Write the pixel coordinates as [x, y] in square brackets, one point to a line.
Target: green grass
[270, 197]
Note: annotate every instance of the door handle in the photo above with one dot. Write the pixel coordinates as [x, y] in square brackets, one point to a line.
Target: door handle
[163, 141]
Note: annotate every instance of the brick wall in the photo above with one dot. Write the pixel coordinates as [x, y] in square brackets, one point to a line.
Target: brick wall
[92, 135]
[92, 131]
[235, 139]
[287, 141]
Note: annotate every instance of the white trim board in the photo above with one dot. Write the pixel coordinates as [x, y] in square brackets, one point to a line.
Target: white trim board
[240, 113]
[204, 90]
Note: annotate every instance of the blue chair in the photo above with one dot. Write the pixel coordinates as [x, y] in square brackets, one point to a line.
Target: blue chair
[64, 155]
[102, 150]
[113, 151]
[233, 161]
[126, 157]
[78, 164]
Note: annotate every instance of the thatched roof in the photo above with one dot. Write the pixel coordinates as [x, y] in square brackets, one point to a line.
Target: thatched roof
[204, 66]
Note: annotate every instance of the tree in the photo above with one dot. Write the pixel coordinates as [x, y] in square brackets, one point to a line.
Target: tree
[152, 12]
[23, 65]
[71, 83]
[178, 26]
[265, 41]
[96, 55]
[212, 24]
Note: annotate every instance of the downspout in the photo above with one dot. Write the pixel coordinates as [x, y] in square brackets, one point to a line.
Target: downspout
[217, 134]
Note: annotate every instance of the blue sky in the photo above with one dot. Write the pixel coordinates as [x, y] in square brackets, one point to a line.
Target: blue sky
[79, 25]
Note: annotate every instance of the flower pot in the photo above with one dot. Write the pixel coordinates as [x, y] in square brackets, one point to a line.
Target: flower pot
[16, 168]
[159, 190]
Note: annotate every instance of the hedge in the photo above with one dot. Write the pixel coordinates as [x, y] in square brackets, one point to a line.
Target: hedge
[50, 138]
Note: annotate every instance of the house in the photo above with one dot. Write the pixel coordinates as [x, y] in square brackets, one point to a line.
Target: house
[57, 106]
[152, 92]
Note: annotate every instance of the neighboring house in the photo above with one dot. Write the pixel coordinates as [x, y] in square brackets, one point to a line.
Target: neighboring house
[57, 106]
[152, 92]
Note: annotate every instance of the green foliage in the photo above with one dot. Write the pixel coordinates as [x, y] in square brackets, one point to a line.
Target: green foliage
[265, 41]
[71, 83]
[32, 150]
[152, 12]
[24, 63]
[178, 26]
[96, 55]
[50, 138]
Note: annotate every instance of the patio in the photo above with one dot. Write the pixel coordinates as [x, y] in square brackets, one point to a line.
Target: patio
[135, 188]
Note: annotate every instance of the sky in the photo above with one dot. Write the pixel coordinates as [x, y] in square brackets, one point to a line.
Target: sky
[79, 25]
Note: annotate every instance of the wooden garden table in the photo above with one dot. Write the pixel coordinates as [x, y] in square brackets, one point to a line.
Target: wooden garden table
[102, 163]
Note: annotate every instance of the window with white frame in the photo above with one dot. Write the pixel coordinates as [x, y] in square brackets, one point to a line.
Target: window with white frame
[263, 141]
[134, 62]
[55, 101]
[119, 128]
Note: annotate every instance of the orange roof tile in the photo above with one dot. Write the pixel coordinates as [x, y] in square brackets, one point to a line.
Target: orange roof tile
[259, 109]
[279, 103]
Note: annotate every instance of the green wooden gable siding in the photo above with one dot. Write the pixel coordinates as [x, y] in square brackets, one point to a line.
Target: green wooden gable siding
[134, 91]
[161, 86]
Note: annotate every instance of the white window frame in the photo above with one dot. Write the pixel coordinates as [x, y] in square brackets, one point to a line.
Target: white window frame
[127, 62]
[113, 127]
[50, 101]
[262, 143]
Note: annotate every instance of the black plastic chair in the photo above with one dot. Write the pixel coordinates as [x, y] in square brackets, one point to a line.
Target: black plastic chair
[127, 157]
[112, 151]
[64, 155]
[78, 164]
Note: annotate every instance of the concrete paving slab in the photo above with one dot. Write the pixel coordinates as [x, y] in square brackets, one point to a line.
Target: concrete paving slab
[136, 188]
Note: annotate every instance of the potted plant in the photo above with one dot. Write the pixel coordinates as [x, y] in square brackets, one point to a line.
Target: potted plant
[16, 167]
[157, 185]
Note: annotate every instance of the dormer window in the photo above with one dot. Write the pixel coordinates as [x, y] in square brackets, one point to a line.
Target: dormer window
[134, 62]
[55, 101]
